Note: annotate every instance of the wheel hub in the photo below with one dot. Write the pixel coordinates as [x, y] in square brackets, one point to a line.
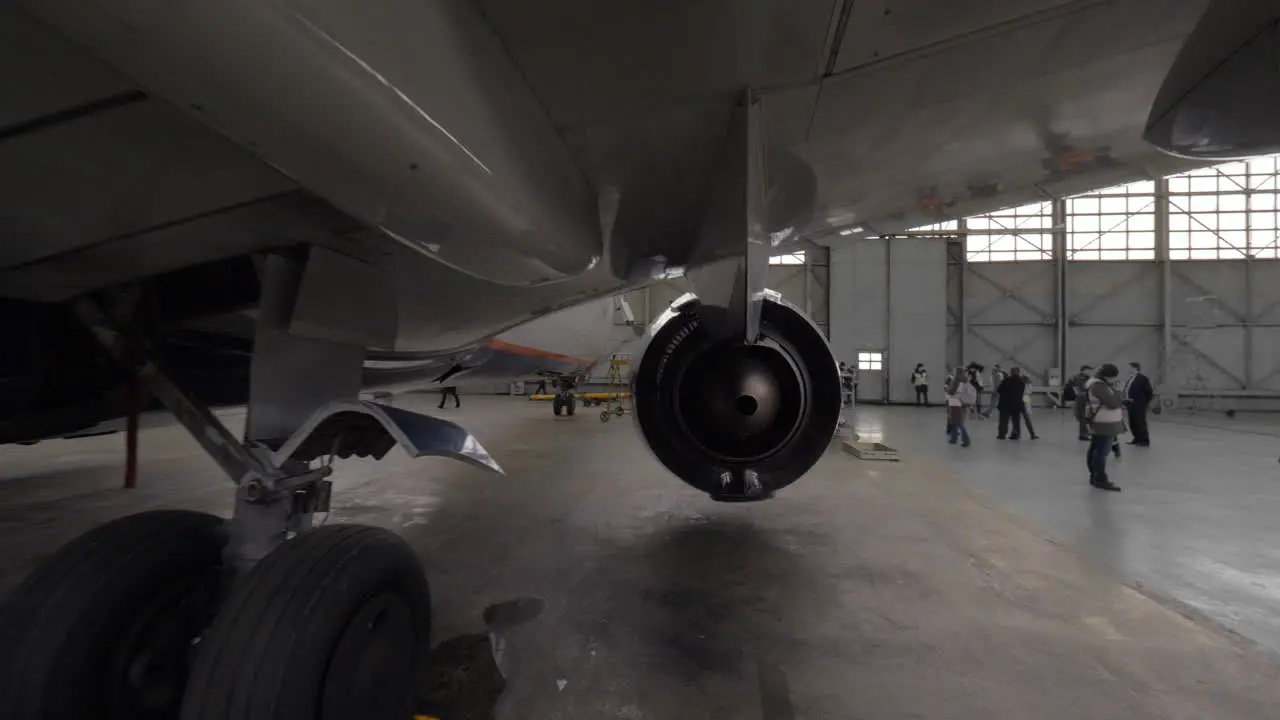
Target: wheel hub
[154, 660]
[368, 668]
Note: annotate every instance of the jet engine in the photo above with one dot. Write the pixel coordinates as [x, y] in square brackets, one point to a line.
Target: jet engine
[1222, 95]
[737, 421]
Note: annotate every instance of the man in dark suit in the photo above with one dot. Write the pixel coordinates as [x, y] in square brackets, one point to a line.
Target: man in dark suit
[1138, 395]
[1009, 402]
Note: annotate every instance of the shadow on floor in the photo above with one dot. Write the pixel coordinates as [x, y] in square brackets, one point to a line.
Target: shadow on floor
[464, 678]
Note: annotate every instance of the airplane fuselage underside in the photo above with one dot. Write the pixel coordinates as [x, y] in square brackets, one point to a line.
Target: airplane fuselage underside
[285, 203]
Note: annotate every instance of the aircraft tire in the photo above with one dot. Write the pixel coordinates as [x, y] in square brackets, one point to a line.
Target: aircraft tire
[105, 625]
[335, 623]
[557, 404]
[604, 416]
[570, 405]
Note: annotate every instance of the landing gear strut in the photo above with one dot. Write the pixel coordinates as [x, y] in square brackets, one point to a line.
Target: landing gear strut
[565, 401]
[177, 615]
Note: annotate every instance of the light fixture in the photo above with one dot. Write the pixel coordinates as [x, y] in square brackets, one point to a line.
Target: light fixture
[852, 230]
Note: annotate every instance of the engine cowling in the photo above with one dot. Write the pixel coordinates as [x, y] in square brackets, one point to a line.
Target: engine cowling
[737, 421]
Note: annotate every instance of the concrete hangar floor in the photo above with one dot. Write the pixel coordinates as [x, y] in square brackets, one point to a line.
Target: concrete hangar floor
[980, 583]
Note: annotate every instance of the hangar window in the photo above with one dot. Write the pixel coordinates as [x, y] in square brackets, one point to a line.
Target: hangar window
[795, 258]
[1225, 212]
[1117, 223]
[1015, 234]
[871, 361]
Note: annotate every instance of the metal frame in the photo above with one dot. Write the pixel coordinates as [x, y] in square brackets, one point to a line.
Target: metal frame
[276, 493]
[1227, 185]
[1112, 223]
[1257, 181]
[1011, 223]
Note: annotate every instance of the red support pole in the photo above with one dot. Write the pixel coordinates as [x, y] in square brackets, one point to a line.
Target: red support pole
[131, 434]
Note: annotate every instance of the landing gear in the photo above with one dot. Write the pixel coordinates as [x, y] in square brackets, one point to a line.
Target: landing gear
[129, 622]
[564, 402]
[108, 622]
[334, 624]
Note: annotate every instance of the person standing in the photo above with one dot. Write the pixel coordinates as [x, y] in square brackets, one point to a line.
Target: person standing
[920, 379]
[848, 387]
[1105, 416]
[974, 375]
[445, 392]
[1009, 404]
[1079, 396]
[946, 385]
[960, 397]
[998, 376]
[541, 388]
[1026, 411]
[1138, 395]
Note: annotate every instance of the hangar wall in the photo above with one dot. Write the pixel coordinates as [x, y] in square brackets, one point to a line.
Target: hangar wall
[1177, 273]
[888, 312]
[1181, 274]
[1223, 323]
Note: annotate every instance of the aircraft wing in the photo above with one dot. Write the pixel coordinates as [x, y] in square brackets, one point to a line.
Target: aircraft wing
[906, 111]
[943, 110]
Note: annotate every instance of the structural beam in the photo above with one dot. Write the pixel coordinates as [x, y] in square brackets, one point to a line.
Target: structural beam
[963, 228]
[1059, 225]
[1248, 314]
[1166, 280]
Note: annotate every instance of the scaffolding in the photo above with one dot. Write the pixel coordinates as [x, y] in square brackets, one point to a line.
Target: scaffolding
[618, 382]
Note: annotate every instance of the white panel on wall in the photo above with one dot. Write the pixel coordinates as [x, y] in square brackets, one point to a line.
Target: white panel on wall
[840, 301]
[857, 291]
[917, 312]
[870, 295]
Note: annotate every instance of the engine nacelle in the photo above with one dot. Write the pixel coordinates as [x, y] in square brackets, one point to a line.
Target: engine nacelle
[737, 421]
[1222, 95]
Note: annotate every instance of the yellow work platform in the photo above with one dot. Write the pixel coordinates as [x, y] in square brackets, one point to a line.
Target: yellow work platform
[586, 396]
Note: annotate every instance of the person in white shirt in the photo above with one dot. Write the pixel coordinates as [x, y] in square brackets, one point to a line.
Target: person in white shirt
[960, 397]
[920, 380]
[997, 377]
[1026, 412]
[848, 384]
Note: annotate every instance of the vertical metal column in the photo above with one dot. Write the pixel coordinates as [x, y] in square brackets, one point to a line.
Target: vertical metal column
[962, 229]
[887, 357]
[808, 269]
[1248, 281]
[1166, 279]
[1059, 224]
[1248, 318]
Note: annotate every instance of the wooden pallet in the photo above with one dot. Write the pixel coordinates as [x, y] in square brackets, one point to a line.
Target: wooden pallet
[870, 450]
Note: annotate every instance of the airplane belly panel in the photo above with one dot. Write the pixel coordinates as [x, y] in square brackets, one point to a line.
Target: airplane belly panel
[407, 115]
[585, 331]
